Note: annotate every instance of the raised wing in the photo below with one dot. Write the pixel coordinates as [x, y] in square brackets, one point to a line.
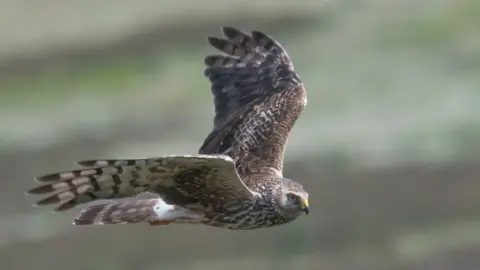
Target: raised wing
[179, 180]
[258, 97]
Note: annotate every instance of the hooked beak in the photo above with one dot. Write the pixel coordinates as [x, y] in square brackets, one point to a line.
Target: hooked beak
[305, 208]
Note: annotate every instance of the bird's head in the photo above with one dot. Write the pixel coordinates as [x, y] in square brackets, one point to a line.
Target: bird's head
[293, 198]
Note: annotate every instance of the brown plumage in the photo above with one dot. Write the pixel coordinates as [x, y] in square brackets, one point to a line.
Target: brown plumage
[236, 179]
[115, 213]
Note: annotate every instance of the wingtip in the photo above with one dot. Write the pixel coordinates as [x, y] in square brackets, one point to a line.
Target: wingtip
[83, 163]
[34, 191]
[36, 180]
[208, 60]
[213, 41]
[39, 204]
[263, 38]
[47, 201]
[229, 31]
[42, 179]
[258, 32]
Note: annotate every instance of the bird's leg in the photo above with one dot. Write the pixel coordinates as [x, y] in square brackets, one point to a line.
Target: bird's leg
[166, 214]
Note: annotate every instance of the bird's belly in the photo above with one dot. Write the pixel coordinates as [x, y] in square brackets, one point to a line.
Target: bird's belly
[247, 221]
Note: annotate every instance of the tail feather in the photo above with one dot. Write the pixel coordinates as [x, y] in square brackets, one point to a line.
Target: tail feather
[88, 215]
[117, 213]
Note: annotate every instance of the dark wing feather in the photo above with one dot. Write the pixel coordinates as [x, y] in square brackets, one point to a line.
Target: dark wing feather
[258, 97]
[179, 180]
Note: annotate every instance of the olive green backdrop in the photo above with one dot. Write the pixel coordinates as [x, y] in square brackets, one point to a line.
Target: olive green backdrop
[389, 145]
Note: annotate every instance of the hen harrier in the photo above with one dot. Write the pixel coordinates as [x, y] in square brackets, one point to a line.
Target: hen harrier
[235, 181]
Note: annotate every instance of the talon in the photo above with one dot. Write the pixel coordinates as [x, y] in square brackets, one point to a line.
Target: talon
[159, 222]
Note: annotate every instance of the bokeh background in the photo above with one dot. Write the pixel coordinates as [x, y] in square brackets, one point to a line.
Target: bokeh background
[389, 145]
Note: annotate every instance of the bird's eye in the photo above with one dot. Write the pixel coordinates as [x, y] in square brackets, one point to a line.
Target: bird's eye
[291, 197]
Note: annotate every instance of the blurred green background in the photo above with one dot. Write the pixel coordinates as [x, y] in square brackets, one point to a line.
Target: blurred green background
[388, 147]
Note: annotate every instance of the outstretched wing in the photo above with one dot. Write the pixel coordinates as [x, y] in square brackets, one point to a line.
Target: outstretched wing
[179, 180]
[258, 97]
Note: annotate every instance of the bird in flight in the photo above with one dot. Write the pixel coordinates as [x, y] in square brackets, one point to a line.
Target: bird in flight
[235, 181]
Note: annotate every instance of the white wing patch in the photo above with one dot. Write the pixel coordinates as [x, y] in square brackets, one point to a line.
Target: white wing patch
[167, 212]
